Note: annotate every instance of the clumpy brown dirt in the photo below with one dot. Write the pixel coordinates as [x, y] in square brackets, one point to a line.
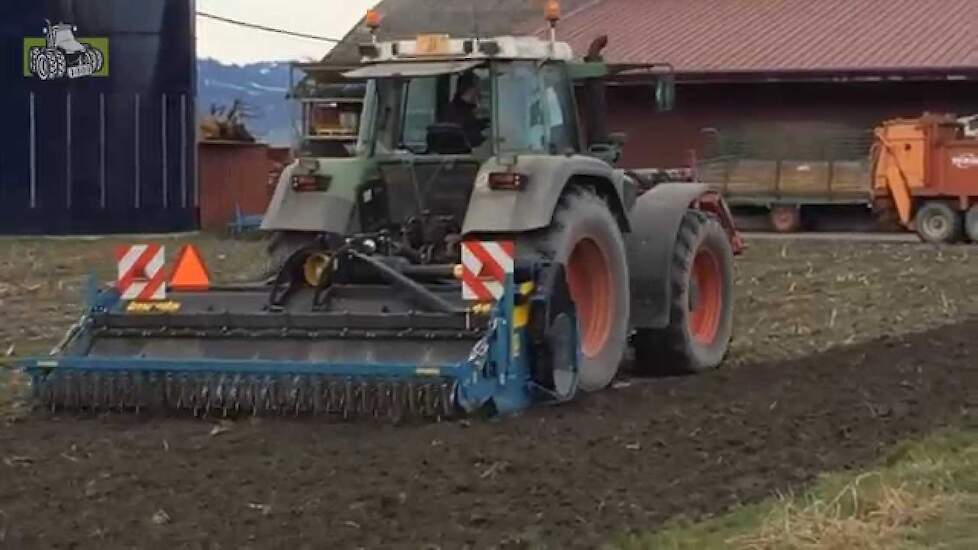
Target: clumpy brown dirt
[792, 401]
[795, 298]
[566, 477]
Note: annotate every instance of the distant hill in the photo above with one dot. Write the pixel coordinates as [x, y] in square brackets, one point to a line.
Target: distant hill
[261, 86]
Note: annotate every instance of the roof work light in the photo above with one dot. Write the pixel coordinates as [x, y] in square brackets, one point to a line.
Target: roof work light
[372, 21]
[551, 12]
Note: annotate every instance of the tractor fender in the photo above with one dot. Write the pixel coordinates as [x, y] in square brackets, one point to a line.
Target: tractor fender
[655, 221]
[512, 211]
[329, 211]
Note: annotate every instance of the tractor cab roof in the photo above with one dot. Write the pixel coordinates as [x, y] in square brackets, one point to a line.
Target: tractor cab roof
[435, 54]
[411, 70]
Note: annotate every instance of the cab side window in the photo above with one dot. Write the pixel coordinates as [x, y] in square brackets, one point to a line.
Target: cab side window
[559, 110]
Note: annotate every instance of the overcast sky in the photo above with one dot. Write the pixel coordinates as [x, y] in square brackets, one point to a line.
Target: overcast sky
[233, 44]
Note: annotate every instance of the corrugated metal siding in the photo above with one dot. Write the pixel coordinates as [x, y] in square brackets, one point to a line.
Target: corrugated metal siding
[100, 154]
[782, 35]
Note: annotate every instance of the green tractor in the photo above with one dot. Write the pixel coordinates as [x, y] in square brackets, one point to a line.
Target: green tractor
[479, 251]
[650, 263]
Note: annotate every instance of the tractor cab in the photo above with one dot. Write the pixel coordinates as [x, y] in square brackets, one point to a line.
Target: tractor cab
[442, 96]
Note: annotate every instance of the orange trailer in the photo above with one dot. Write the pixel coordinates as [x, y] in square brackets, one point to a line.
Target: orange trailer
[926, 169]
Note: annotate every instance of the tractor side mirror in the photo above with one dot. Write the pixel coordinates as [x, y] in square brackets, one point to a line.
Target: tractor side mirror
[665, 93]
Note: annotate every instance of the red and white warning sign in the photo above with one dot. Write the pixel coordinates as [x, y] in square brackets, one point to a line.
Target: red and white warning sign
[485, 265]
[141, 276]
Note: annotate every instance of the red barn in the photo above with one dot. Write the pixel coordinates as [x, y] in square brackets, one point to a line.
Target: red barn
[776, 68]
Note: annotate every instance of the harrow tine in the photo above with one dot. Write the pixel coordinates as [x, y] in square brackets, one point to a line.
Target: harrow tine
[233, 394]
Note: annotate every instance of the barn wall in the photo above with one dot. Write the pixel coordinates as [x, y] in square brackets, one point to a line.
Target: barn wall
[665, 139]
[233, 177]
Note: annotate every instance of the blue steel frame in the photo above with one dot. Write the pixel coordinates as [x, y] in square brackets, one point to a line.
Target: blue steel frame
[496, 375]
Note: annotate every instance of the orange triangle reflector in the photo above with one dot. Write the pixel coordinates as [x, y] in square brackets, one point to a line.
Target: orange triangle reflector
[190, 272]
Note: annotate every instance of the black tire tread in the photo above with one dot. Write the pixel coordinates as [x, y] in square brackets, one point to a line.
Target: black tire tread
[545, 243]
[666, 351]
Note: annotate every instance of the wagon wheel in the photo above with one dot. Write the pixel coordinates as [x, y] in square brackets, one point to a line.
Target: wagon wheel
[936, 222]
[786, 218]
[971, 223]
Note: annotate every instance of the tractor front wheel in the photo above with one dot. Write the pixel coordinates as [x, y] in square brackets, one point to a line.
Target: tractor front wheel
[701, 303]
[585, 237]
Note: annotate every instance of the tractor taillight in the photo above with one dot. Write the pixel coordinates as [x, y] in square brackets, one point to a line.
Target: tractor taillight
[310, 182]
[513, 181]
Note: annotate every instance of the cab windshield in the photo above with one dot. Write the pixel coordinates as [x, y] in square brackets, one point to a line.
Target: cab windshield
[518, 107]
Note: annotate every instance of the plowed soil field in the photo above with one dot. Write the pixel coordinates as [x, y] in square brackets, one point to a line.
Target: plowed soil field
[842, 349]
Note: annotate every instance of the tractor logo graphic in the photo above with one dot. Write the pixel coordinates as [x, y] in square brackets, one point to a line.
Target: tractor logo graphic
[61, 55]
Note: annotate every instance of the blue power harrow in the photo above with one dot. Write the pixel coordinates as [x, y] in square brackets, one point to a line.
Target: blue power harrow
[371, 338]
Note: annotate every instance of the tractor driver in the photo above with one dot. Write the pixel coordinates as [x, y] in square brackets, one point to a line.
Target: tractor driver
[463, 107]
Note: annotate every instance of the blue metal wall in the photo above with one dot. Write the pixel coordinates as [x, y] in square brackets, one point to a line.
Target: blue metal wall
[100, 154]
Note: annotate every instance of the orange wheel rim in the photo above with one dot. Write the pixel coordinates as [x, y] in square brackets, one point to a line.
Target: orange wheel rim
[705, 297]
[590, 281]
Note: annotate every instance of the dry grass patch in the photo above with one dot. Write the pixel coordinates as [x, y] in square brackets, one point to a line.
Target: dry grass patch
[867, 515]
[925, 495]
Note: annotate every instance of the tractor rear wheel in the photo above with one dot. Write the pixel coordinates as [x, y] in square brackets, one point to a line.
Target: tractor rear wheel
[936, 222]
[701, 303]
[586, 238]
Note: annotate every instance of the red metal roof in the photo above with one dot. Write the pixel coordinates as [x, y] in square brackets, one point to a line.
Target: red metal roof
[782, 36]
